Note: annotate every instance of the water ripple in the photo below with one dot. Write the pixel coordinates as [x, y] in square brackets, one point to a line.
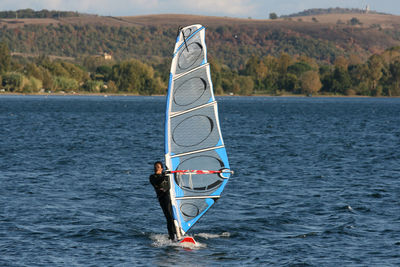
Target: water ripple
[316, 183]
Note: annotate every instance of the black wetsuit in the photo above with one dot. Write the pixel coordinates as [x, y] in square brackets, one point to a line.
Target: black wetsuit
[161, 185]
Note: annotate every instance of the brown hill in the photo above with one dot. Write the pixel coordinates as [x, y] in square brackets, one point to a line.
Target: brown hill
[373, 34]
[323, 37]
[367, 20]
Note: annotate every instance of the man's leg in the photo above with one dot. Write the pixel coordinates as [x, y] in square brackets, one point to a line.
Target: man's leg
[167, 209]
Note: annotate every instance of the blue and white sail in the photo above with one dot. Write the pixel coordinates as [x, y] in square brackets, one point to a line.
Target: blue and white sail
[193, 139]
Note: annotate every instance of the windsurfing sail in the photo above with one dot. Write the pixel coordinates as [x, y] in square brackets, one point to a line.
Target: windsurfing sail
[195, 153]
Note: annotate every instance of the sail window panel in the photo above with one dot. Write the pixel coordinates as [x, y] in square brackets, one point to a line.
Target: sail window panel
[191, 208]
[199, 184]
[188, 31]
[191, 90]
[194, 130]
[190, 55]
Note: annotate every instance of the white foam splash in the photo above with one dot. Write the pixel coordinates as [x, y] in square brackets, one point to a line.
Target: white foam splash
[210, 236]
[349, 207]
[160, 240]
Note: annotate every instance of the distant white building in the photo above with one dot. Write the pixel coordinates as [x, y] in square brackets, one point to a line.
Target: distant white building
[107, 56]
[367, 9]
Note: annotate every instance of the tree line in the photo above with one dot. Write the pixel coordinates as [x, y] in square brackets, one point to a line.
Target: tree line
[30, 13]
[273, 75]
[378, 76]
[332, 10]
[95, 75]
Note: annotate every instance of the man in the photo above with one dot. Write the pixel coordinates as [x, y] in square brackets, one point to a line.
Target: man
[161, 185]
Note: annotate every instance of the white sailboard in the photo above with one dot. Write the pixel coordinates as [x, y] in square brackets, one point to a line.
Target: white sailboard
[195, 154]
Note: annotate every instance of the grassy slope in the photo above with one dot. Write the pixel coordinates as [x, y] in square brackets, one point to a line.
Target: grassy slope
[375, 34]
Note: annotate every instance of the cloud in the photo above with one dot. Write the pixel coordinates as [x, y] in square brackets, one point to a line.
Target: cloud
[205, 7]
[227, 7]
[36, 5]
[136, 7]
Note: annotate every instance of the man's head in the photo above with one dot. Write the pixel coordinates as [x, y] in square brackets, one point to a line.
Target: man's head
[158, 167]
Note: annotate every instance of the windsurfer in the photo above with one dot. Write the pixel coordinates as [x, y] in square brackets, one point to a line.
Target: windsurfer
[161, 185]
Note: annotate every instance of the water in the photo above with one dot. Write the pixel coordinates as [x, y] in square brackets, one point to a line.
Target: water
[317, 183]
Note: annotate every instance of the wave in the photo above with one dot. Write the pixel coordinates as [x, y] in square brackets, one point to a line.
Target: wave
[162, 240]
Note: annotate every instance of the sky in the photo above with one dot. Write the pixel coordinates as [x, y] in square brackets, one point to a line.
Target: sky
[256, 9]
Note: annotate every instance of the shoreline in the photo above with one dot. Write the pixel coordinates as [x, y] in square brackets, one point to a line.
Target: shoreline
[257, 95]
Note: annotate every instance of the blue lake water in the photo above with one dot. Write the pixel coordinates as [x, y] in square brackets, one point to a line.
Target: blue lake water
[317, 183]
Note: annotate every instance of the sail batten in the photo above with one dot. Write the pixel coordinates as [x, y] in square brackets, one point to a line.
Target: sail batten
[197, 151]
[186, 73]
[193, 139]
[174, 114]
[201, 197]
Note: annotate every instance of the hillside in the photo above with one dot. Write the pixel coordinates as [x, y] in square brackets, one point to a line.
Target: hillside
[336, 10]
[231, 41]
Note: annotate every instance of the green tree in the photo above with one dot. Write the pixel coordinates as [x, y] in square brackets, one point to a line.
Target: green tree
[256, 69]
[104, 73]
[216, 70]
[33, 70]
[341, 61]
[355, 21]
[375, 65]
[12, 81]
[273, 15]
[271, 82]
[93, 86]
[75, 72]
[341, 81]
[48, 80]
[360, 78]
[243, 85]
[251, 66]
[31, 85]
[5, 58]
[110, 87]
[310, 82]
[227, 85]
[299, 68]
[394, 88]
[284, 62]
[354, 59]
[62, 83]
[134, 76]
[91, 63]
[288, 82]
